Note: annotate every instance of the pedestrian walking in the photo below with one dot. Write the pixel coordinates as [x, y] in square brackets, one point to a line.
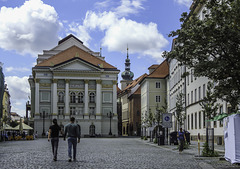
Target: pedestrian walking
[181, 139]
[73, 134]
[54, 135]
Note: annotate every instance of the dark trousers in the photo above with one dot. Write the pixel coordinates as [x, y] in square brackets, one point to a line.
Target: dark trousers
[181, 145]
[72, 142]
[54, 142]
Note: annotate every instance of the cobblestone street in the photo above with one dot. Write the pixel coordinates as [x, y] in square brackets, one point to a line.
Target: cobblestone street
[97, 153]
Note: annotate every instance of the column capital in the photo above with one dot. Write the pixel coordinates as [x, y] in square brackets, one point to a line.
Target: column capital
[86, 81]
[67, 80]
[54, 80]
[114, 82]
[37, 80]
[98, 81]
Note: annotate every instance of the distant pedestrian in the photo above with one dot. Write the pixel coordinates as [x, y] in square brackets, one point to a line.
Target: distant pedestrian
[181, 139]
[36, 135]
[72, 132]
[54, 135]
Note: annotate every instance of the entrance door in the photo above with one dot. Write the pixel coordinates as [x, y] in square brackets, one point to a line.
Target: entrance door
[92, 131]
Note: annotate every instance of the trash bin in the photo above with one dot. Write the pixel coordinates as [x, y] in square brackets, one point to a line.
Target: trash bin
[161, 140]
[187, 135]
[173, 138]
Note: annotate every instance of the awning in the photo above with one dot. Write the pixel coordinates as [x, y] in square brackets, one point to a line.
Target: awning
[23, 126]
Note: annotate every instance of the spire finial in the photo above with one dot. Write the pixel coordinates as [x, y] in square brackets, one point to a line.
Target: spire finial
[100, 51]
[127, 51]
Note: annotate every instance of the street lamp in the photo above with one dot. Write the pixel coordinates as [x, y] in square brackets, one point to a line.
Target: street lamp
[110, 115]
[43, 116]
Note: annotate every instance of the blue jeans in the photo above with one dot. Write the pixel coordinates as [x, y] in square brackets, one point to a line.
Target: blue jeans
[54, 142]
[72, 142]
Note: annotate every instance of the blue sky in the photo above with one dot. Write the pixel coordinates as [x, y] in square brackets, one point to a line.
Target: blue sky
[29, 27]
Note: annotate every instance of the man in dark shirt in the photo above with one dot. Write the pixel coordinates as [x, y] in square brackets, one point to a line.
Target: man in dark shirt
[72, 132]
[54, 134]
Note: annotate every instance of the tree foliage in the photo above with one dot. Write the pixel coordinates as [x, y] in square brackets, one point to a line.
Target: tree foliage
[208, 104]
[211, 45]
[180, 115]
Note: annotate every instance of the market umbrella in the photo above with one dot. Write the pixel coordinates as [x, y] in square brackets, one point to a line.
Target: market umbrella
[8, 127]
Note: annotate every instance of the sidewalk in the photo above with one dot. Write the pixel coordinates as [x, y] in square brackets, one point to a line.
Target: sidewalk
[193, 148]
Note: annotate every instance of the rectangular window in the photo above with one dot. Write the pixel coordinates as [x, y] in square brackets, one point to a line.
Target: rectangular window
[191, 97]
[199, 93]
[191, 75]
[188, 99]
[192, 121]
[72, 111]
[221, 112]
[188, 122]
[187, 79]
[196, 120]
[107, 97]
[199, 120]
[60, 110]
[158, 99]
[204, 120]
[91, 110]
[158, 85]
[45, 96]
[195, 95]
[204, 90]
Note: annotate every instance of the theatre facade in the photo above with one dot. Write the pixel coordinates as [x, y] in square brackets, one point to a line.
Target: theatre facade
[70, 80]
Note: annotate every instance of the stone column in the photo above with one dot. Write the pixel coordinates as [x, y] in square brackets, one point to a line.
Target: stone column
[115, 98]
[98, 97]
[86, 98]
[54, 98]
[67, 98]
[37, 97]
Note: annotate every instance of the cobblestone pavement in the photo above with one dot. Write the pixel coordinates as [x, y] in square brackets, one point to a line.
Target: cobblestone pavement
[97, 153]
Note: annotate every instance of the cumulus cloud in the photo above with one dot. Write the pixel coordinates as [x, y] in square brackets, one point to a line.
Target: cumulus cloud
[144, 39]
[18, 87]
[19, 91]
[187, 3]
[29, 28]
[17, 69]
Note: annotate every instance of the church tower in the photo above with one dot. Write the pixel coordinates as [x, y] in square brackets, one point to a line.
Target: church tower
[127, 75]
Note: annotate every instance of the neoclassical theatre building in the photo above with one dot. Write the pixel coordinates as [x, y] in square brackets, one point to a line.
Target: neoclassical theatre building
[72, 80]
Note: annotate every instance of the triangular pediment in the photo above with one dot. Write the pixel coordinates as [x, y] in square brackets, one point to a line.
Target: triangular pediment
[76, 65]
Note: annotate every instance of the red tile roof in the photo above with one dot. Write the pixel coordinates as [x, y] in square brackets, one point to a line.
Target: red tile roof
[161, 71]
[71, 53]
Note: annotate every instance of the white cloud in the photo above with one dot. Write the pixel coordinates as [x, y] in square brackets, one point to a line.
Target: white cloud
[19, 91]
[129, 7]
[144, 39]
[28, 28]
[187, 3]
[17, 69]
[18, 87]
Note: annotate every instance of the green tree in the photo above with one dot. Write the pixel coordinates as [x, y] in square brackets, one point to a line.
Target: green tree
[211, 46]
[208, 103]
[180, 115]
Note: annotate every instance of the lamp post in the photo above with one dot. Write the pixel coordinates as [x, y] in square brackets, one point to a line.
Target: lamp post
[43, 116]
[110, 115]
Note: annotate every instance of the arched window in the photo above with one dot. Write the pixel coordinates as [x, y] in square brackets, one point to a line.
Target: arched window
[72, 97]
[80, 97]
[92, 97]
[61, 97]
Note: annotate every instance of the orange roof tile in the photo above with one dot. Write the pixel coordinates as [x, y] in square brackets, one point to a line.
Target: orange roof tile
[74, 52]
[134, 83]
[161, 71]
